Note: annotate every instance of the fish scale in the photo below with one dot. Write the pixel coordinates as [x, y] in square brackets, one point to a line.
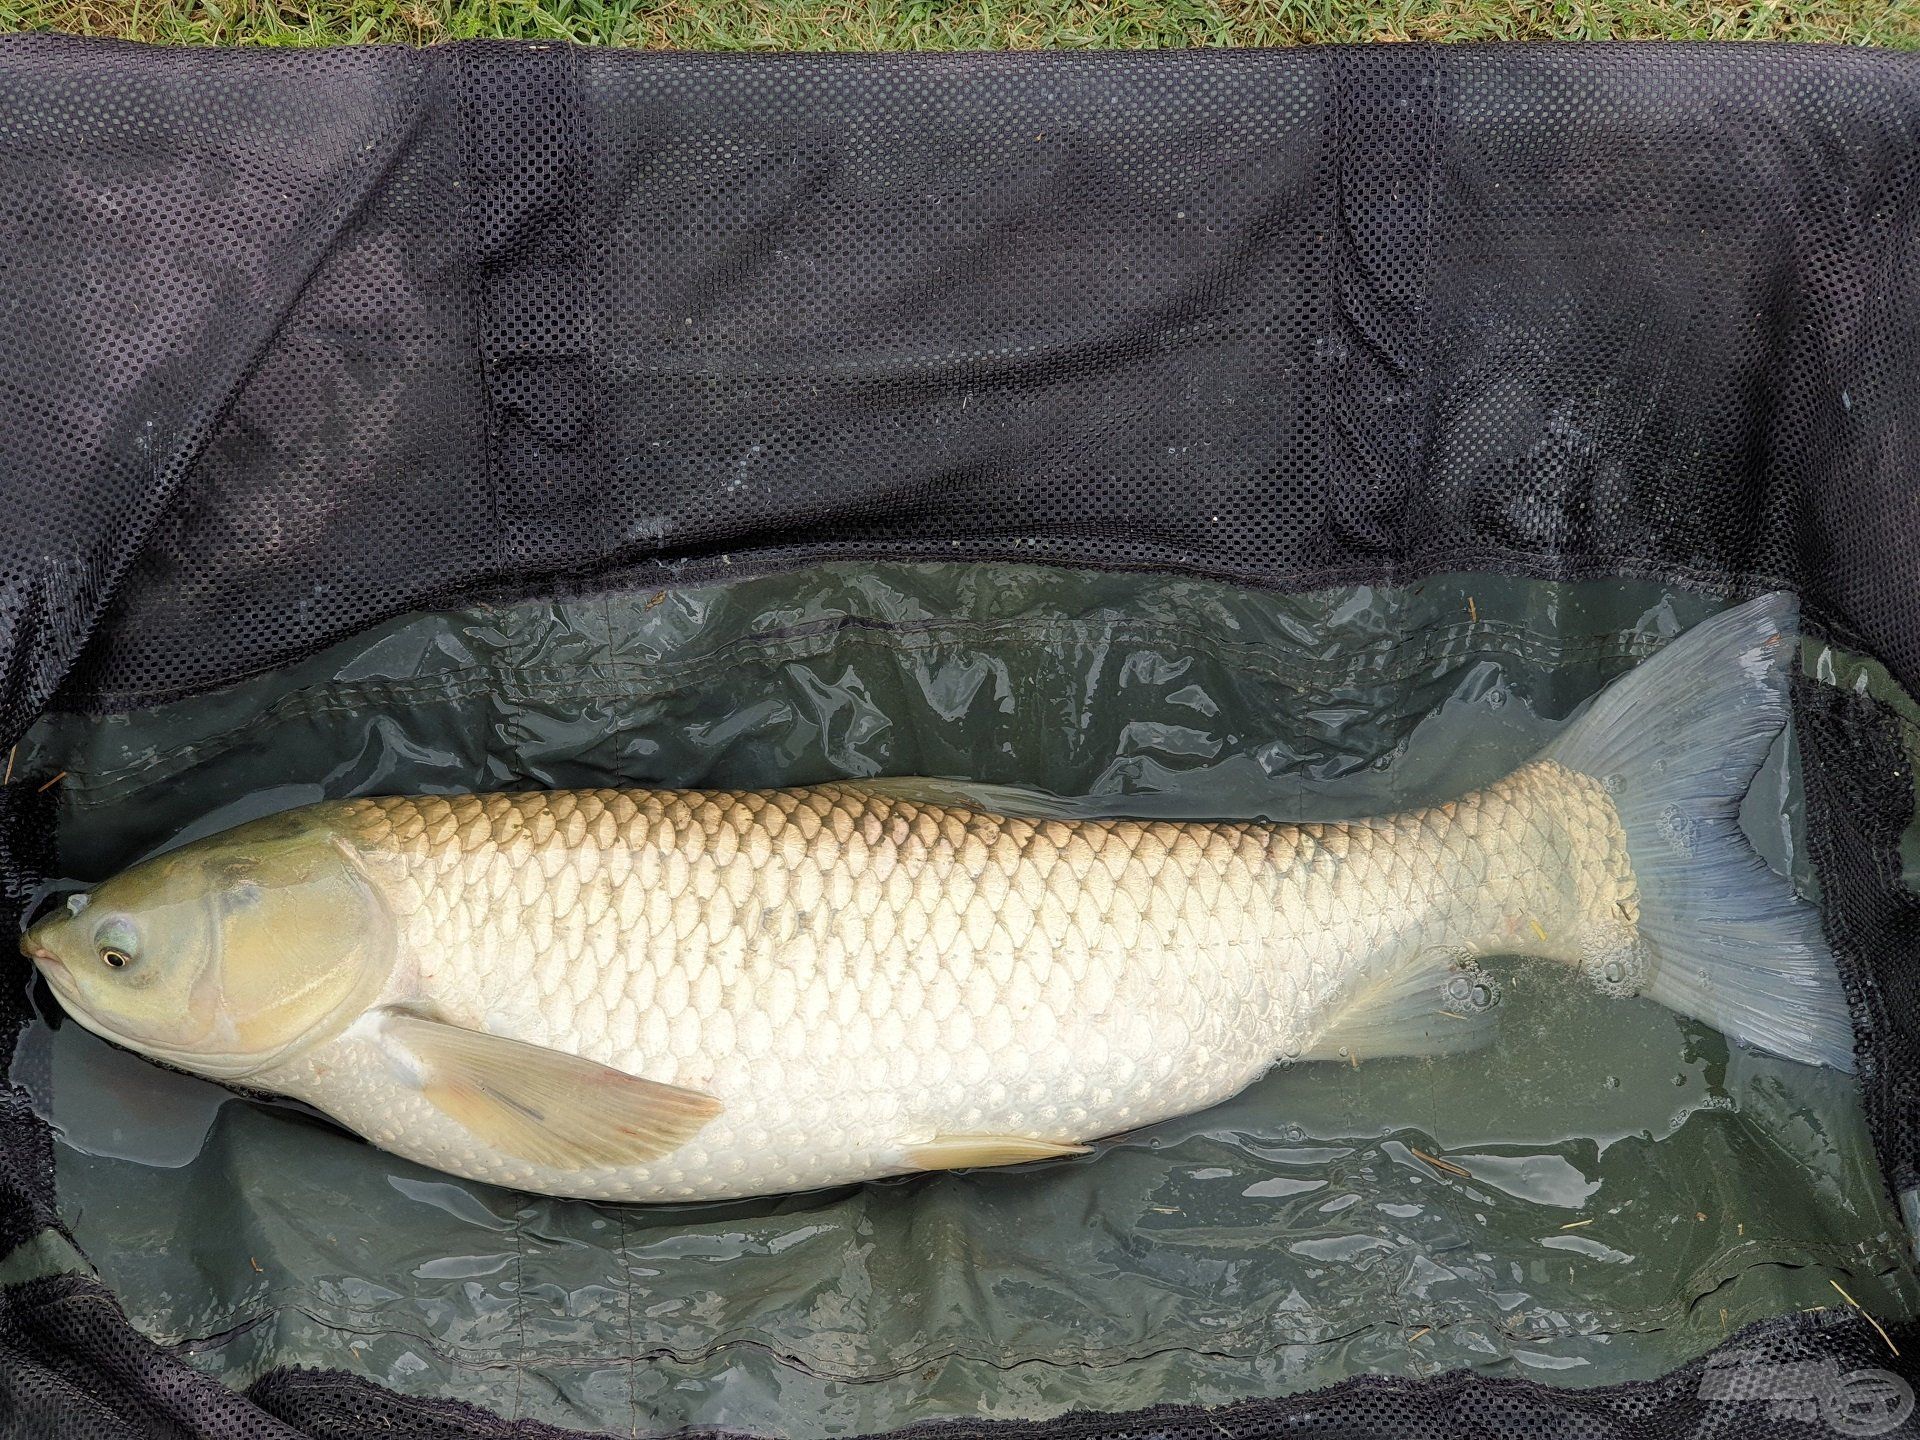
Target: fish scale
[851, 974]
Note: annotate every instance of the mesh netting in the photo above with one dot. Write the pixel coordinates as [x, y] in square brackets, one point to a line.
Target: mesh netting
[297, 342]
[308, 340]
[1860, 804]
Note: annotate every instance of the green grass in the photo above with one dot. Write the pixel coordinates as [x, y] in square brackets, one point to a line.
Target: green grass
[965, 24]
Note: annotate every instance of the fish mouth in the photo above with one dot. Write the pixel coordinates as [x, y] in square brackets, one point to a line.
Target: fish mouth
[51, 965]
[60, 981]
[58, 977]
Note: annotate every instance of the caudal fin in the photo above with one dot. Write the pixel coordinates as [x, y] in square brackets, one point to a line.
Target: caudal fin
[1677, 742]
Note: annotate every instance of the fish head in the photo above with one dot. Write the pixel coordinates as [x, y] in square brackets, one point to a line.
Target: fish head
[226, 956]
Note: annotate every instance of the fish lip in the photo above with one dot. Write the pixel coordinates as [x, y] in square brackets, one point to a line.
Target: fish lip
[51, 965]
[55, 972]
[59, 979]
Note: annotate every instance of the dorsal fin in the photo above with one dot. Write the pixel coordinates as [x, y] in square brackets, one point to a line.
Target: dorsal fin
[1021, 800]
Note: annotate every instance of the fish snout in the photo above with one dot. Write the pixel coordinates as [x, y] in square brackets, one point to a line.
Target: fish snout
[49, 964]
[45, 959]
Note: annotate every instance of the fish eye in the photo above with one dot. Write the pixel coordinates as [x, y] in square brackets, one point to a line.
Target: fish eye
[117, 943]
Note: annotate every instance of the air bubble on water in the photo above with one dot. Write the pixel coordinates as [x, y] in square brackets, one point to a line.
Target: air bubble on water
[1676, 826]
[1470, 992]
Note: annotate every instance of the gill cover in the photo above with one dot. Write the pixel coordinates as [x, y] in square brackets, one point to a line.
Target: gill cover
[301, 941]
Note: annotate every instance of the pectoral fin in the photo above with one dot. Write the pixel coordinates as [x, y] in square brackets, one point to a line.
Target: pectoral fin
[544, 1105]
[965, 1152]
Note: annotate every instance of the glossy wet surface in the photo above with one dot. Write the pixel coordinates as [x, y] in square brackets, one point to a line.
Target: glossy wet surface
[1607, 1192]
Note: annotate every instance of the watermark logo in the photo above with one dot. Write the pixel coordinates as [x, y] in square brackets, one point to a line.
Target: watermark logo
[1851, 1402]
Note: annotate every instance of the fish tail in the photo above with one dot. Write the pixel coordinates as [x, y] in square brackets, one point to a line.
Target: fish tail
[1719, 935]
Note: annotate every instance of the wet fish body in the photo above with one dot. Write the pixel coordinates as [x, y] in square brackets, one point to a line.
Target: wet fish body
[853, 976]
[673, 995]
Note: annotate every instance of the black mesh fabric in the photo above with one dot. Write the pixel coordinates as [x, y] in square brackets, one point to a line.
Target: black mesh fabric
[26, 1148]
[300, 341]
[290, 343]
[1859, 784]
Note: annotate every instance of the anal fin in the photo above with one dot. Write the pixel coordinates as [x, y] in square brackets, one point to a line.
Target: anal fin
[965, 1152]
[1438, 1004]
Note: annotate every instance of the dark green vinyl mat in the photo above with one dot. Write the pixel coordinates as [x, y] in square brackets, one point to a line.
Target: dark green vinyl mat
[1606, 1193]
